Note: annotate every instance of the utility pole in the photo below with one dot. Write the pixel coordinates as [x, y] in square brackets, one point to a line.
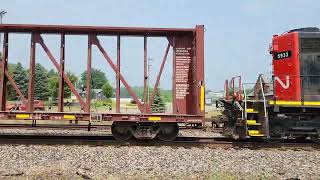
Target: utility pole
[148, 80]
[2, 13]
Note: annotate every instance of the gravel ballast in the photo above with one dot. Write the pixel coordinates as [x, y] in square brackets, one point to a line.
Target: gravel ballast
[142, 162]
[97, 132]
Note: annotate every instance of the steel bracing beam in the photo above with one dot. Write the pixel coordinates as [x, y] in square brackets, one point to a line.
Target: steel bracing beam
[159, 75]
[14, 85]
[118, 74]
[4, 62]
[61, 80]
[5, 76]
[58, 67]
[114, 68]
[145, 74]
[32, 65]
[88, 79]
[99, 30]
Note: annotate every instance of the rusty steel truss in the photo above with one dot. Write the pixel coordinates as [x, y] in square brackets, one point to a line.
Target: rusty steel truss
[187, 77]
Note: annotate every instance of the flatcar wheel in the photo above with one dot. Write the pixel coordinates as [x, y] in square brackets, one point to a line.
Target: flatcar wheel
[315, 138]
[121, 130]
[168, 131]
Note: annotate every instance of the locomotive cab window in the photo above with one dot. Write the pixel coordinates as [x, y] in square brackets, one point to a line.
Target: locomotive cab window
[310, 68]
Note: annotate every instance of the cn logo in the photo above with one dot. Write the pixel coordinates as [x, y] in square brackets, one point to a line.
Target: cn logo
[283, 85]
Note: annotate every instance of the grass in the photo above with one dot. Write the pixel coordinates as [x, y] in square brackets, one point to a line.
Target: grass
[225, 175]
[222, 176]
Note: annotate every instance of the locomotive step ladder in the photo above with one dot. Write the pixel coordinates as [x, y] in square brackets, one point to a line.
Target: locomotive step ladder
[251, 111]
[255, 113]
[254, 121]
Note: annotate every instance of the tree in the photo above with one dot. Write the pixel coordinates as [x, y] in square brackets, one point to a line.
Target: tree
[165, 94]
[52, 73]
[20, 76]
[107, 90]
[73, 78]
[41, 79]
[53, 84]
[98, 79]
[158, 104]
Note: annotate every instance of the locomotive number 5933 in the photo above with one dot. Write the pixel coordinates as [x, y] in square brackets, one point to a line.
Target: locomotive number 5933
[282, 55]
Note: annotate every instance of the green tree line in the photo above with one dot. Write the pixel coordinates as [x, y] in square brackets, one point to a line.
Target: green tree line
[166, 95]
[47, 82]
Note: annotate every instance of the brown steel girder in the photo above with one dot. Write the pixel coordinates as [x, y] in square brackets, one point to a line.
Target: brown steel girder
[30, 104]
[61, 81]
[4, 68]
[101, 30]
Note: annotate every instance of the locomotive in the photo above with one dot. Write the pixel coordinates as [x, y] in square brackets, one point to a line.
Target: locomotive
[285, 104]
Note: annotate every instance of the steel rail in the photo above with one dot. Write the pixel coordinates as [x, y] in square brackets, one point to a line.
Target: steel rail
[73, 126]
[224, 143]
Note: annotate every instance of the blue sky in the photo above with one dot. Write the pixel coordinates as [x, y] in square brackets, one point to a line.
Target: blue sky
[237, 37]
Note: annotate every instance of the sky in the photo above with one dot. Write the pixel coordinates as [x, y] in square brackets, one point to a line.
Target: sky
[237, 36]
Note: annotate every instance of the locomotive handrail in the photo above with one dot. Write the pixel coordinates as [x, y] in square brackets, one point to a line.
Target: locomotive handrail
[232, 84]
[254, 100]
[266, 120]
[226, 90]
[245, 103]
[245, 100]
[241, 109]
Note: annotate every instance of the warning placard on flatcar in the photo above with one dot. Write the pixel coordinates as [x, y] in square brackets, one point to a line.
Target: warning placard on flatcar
[183, 73]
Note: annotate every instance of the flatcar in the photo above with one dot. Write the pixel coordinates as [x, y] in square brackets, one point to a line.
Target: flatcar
[285, 104]
[186, 46]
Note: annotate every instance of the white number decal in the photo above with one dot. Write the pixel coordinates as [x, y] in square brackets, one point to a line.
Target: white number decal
[282, 55]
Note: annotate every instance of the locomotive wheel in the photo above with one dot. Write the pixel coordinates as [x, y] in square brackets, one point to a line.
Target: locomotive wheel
[315, 138]
[168, 131]
[273, 140]
[301, 137]
[275, 134]
[121, 130]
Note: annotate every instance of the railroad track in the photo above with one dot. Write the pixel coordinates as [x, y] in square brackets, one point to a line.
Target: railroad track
[224, 143]
[77, 126]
